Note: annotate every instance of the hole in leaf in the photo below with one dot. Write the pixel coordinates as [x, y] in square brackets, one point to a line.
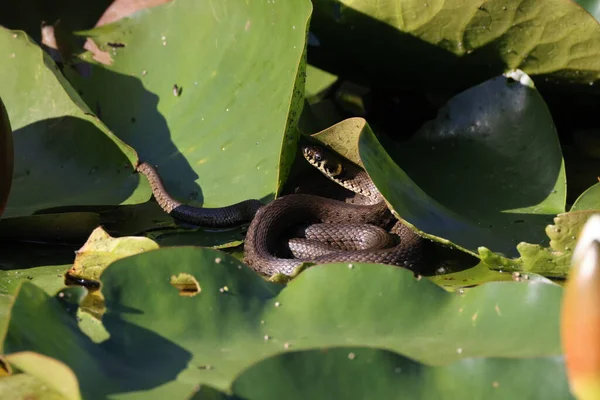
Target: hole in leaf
[186, 284]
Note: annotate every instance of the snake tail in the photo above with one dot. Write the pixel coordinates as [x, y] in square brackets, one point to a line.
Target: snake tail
[221, 217]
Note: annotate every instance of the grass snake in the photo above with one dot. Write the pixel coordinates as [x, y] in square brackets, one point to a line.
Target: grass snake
[332, 230]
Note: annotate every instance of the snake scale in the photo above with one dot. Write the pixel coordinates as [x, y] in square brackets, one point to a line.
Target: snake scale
[269, 250]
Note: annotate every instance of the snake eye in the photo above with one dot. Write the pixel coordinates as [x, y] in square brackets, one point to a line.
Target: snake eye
[317, 156]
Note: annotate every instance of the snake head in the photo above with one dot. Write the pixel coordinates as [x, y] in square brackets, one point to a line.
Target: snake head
[325, 161]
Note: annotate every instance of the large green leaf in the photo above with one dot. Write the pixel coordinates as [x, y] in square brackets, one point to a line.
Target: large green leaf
[42, 265]
[455, 44]
[6, 157]
[59, 381]
[56, 227]
[589, 200]
[64, 156]
[203, 90]
[238, 319]
[317, 81]
[487, 171]
[365, 373]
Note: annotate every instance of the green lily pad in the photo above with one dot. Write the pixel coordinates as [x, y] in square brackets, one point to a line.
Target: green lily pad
[455, 45]
[148, 218]
[41, 265]
[55, 375]
[23, 386]
[136, 219]
[64, 156]
[59, 228]
[555, 260]
[589, 200]
[240, 319]
[7, 157]
[218, 113]
[477, 275]
[217, 239]
[317, 81]
[50, 278]
[487, 172]
[361, 373]
[343, 138]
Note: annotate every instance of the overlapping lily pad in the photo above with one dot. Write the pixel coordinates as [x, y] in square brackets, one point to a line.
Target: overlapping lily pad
[589, 200]
[64, 156]
[487, 172]
[230, 96]
[360, 373]
[402, 42]
[239, 319]
[46, 378]
[6, 155]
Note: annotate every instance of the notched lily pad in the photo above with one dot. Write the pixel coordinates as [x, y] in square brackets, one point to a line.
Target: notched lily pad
[360, 373]
[241, 319]
[555, 260]
[220, 123]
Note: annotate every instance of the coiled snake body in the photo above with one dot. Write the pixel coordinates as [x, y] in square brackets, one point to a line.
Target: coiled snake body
[340, 224]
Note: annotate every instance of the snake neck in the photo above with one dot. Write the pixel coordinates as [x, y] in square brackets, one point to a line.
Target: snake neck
[358, 181]
[161, 195]
[342, 172]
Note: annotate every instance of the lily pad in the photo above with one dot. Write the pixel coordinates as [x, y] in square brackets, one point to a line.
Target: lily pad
[455, 45]
[101, 250]
[360, 373]
[343, 138]
[225, 126]
[317, 81]
[58, 228]
[589, 200]
[50, 278]
[474, 276]
[20, 386]
[555, 260]
[54, 374]
[64, 156]
[42, 265]
[240, 319]
[7, 157]
[487, 171]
